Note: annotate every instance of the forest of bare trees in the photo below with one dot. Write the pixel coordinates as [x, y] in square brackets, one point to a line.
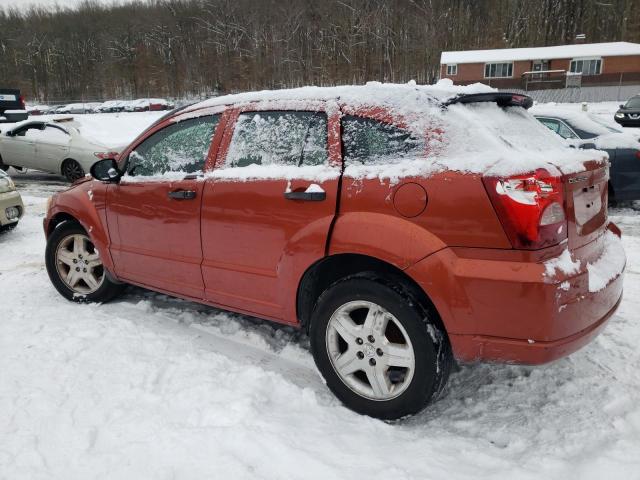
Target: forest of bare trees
[182, 48]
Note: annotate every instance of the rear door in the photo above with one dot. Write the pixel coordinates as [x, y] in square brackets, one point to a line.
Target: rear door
[269, 205]
[52, 147]
[154, 212]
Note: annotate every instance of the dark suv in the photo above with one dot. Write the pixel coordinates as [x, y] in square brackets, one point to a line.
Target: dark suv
[628, 115]
[12, 107]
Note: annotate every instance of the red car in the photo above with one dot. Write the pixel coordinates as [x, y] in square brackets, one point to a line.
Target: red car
[402, 226]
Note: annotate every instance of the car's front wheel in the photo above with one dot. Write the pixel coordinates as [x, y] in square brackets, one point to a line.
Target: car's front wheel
[72, 170]
[379, 350]
[75, 266]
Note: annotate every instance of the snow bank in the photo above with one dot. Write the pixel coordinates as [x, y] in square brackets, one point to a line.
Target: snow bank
[147, 386]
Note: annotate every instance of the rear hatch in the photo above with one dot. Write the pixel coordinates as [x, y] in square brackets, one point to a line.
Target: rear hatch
[586, 203]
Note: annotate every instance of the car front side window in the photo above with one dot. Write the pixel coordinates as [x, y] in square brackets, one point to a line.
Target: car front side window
[369, 141]
[279, 138]
[180, 147]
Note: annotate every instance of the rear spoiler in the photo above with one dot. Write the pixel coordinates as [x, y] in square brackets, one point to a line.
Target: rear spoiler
[503, 99]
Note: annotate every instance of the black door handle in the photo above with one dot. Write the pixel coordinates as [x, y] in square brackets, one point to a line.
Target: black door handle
[182, 194]
[306, 196]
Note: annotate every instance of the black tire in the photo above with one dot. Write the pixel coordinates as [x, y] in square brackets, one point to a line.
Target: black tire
[72, 170]
[107, 290]
[8, 227]
[431, 348]
[3, 167]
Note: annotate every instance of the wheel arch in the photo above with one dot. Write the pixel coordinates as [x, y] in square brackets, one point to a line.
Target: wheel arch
[328, 270]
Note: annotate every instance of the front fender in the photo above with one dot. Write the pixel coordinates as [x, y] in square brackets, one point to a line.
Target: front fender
[86, 202]
[389, 238]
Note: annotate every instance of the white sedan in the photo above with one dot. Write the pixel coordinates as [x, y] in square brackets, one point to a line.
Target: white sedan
[56, 147]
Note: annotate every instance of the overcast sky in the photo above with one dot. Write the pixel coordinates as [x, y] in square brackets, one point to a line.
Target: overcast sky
[63, 3]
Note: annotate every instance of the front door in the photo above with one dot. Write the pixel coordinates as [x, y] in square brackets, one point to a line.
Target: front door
[154, 212]
[268, 208]
[19, 150]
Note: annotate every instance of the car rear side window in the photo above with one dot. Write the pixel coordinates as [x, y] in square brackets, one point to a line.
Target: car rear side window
[279, 138]
[369, 141]
[180, 147]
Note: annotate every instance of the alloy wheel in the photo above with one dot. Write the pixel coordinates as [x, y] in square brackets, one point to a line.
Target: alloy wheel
[370, 350]
[78, 264]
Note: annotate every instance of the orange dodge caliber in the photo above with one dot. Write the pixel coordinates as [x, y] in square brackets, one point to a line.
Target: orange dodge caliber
[403, 227]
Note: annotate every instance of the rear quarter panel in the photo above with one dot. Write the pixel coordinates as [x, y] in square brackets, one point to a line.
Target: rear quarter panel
[458, 213]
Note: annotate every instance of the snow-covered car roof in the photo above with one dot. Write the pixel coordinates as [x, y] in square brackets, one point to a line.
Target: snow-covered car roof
[391, 95]
[479, 137]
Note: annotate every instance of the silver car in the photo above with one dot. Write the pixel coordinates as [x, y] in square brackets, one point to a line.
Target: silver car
[56, 147]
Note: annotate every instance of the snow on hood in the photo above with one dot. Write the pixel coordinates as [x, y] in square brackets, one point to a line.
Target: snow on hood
[480, 138]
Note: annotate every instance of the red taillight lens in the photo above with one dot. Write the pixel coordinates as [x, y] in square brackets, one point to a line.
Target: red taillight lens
[21, 100]
[638, 154]
[530, 207]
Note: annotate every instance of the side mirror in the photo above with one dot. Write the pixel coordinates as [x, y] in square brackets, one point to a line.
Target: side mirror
[621, 106]
[106, 170]
[588, 146]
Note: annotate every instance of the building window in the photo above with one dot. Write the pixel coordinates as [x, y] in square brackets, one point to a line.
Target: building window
[452, 69]
[498, 70]
[586, 66]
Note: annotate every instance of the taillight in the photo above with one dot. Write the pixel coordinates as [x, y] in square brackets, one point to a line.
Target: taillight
[530, 207]
[638, 154]
[22, 104]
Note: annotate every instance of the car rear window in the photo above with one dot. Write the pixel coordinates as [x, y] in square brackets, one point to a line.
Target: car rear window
[369, 141]
[279, 138]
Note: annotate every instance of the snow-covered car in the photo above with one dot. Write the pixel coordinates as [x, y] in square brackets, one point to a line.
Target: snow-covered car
[11, 207]
[148, 104]
[111, 106]
[77, 108]
[585, 130]
[56, 147]
[401, 226]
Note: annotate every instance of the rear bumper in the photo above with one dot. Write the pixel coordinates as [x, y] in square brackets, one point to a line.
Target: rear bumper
[9, 200]
[13, 117]
[515, 312]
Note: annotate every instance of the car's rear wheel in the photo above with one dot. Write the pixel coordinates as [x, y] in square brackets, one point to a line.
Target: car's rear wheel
[379, 350]
[75, 266]
[72, 170]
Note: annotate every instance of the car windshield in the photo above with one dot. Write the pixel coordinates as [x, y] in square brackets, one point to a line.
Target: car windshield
[600, 121]
[633, 103]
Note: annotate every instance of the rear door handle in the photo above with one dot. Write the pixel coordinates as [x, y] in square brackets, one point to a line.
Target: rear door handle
[182, 194]
[306, 196]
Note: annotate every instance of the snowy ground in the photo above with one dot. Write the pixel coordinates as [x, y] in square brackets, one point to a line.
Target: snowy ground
[153, 387]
